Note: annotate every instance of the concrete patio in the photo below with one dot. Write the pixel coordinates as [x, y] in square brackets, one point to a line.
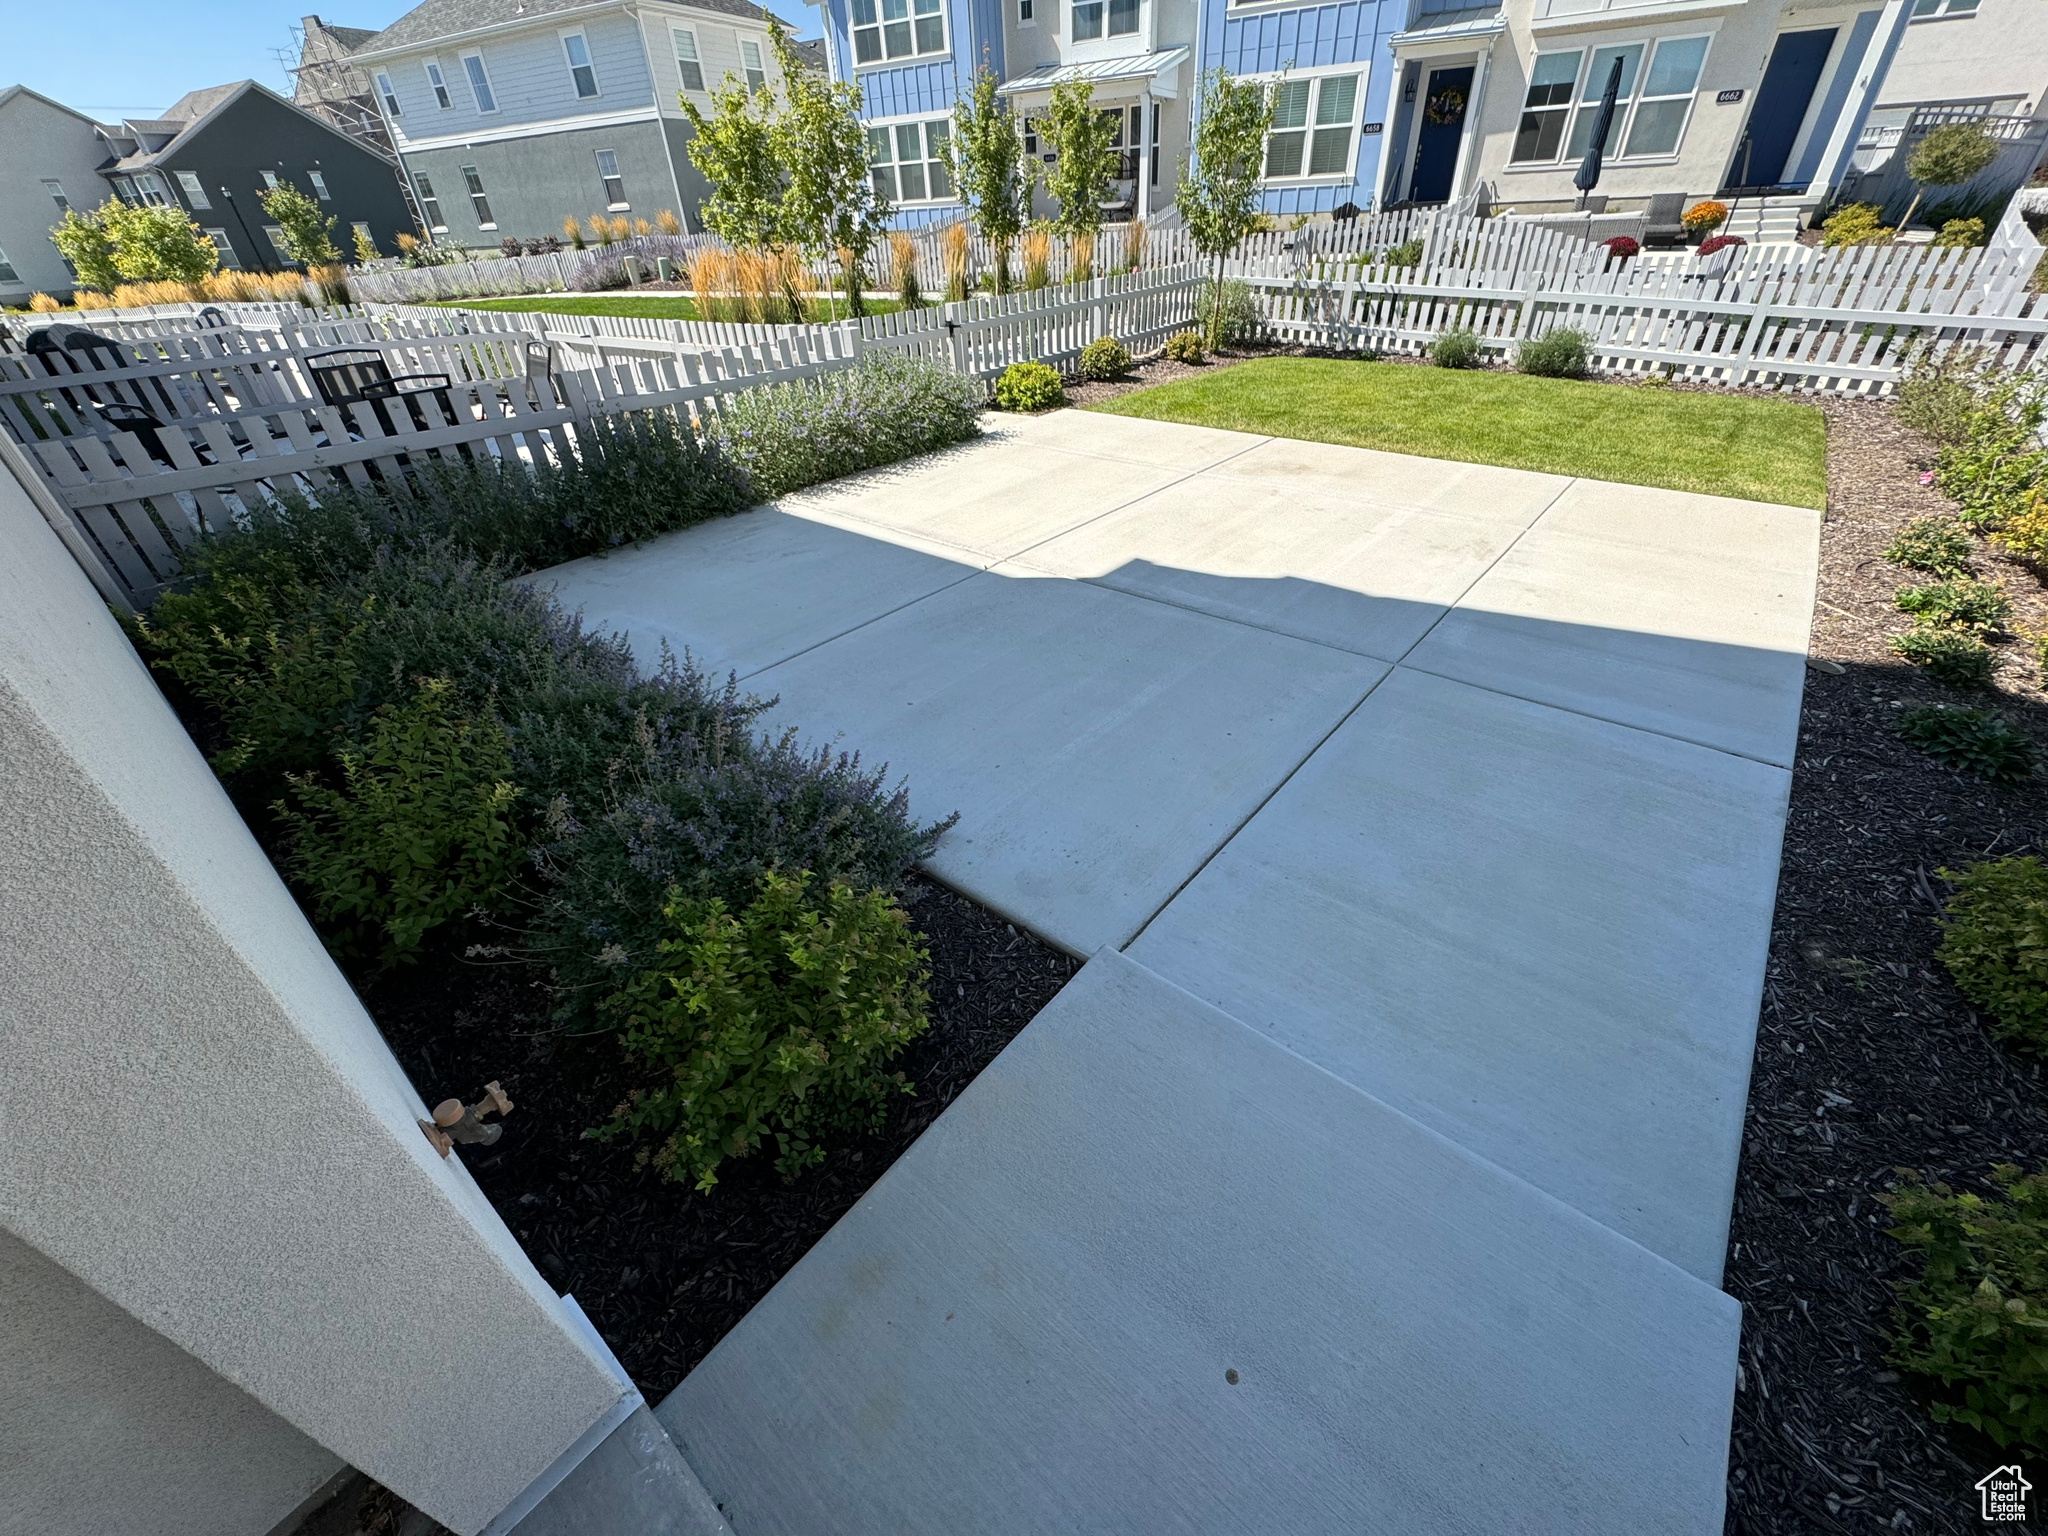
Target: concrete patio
[1437, 808]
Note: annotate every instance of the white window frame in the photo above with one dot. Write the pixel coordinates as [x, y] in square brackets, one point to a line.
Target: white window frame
[1943, 10]
[923, 122]
[752, 64]
[479, 199]
[151, 191]
[226, 247]
[1101, 13]
[8, 274]
[676, 37]
[430, 205]
[387, 94]
[364, 226]
[269, 180]
[881, 22]
[1026, 13]
[195, 190]
[589, 64]
[274, 233]
[1624, 108]
[481, 86]
[55, 188]
[437, 84]
[320, 187]
[1362, 71]
[620, 204]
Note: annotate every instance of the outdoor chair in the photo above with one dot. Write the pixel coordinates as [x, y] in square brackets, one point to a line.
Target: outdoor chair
[358, 376]
[1660, 215]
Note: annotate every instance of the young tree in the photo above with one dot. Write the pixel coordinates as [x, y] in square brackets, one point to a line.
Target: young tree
[735, 149]
[1218, 196]
[1086, 160]
[308, 236]
[830, 201]
[156, 245]
[366, 248]
[82, 240]
[1949, 156]
[990, 170]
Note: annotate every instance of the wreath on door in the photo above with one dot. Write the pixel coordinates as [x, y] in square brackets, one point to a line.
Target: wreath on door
[1445, 106]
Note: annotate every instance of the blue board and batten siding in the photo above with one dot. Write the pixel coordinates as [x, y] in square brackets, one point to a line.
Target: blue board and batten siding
[1267, 41]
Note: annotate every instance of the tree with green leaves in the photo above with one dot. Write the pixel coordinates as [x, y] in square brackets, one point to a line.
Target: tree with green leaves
[1081, 139]
[308, 234]
[734, 146]
[366, 248]
[1218, 195]
[83, 241]
[1949, 156]
[990, 169]
[830, 202]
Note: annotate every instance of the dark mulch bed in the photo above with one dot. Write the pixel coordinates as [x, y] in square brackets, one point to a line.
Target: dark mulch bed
[665, 1272]
[1867, 1058]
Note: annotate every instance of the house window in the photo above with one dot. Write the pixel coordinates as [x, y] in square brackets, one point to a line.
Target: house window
[1547, 106]
[1593, 87]
[150, 191]
[276, 237]
[320, 187]
[1312, 126]
[1024, 13]
[7, 272]
[580, 70]
[688, 65]
[910, 160]
[1925, 8]
[477, 200]
[1123, 17]
[750, 56]
[608, 173]
[1667, 96]
[1087, 19]
[440, 84]
[479, 82]
[269, 181]
[900, 29]
[390, 96]
[363, 234]
[195, 192]
[226, 247]
[56, 191]
[430, 205]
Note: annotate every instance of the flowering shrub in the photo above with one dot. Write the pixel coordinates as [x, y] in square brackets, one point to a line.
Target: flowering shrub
[1703, 217]
[1105, 358]
[1714, 243]
[890, 407]
[1029, 387]
[1621, 247]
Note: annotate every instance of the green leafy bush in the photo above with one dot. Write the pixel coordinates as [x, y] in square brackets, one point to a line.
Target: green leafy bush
[1029, 387]
[776, 1023]
[1976, 1320]
[1995, 944]
[1938, 392]
[1978, 741]
[1185, 347]
[892, 407]
[1455, 349]
[2024, 534]
[1958, 603]
[1934, 544]
[1407, 254]
[1230, 313]
[1950, 656]
[1961, 233]
[1992, 471]
[1558, 354]
[1855, 224]
[418, 831]
[1105, 358]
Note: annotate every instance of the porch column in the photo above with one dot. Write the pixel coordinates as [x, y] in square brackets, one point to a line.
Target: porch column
[1877, 63]
[1468, 154]
[1145, 150]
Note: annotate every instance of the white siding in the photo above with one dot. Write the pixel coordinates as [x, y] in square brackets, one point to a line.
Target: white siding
[529, 76]
[718, 49]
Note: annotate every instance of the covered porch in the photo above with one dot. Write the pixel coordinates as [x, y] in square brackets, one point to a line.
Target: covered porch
[1134, 91]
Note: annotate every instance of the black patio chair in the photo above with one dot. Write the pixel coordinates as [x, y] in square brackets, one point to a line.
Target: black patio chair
[1661, 213]
[121, 416]
[358, 376]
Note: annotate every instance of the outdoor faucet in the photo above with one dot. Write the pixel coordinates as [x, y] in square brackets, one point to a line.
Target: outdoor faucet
[455, 1121]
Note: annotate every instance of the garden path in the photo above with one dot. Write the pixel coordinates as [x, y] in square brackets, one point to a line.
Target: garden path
[1458, 791]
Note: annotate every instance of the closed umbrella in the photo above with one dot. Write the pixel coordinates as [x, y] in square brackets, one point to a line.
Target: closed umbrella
[1588, 174]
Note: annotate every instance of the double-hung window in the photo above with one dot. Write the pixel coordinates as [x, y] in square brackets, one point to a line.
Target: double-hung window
[1652, 101]
[269, 180]
[226, 247]
[390, 96]
[1592, 87]
[150, 190]
[195, 190]
[1658, 122]
[479, 82]
[608, 173]
[581, 73]
[899, 29]
[320, 187]
[7, 272]
[1314, 126]
[56, 190]
[430, 205]
[1547, 106]
[1123, 17]
[910, 161]
[1024, 13]
[477, 200]
[750, 59]
[439, 82]
[1087, 16]
[689, 64]
[278, 244]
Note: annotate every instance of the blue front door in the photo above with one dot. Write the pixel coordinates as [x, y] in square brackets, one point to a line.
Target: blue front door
[1436, 142]
[1781, 103]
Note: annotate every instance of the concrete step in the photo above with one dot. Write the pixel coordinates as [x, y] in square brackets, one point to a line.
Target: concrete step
[1154, 1272]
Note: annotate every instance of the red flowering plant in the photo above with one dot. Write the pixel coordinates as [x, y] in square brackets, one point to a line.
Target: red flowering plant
[1715, 243]
[1621, 247]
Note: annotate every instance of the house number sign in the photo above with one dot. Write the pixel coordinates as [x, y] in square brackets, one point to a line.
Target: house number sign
[1727, 98]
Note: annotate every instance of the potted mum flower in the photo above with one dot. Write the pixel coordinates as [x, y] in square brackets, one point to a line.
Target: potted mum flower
[1620, 248]
[1702, 219]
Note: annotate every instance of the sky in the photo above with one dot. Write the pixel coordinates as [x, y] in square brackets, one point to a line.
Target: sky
[133, 58]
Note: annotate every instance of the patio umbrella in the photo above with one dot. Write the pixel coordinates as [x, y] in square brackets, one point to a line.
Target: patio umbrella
[1588, 175]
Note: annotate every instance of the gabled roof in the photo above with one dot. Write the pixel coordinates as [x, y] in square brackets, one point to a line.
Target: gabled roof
[194, 110]
[194, 105]
[9, 92]
[350, 38]
[811, 52]
[434, 20]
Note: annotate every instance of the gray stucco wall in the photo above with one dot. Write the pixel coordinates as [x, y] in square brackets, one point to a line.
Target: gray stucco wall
[534, 183]
[38, 140]
[106, 1426]
[198, 1120]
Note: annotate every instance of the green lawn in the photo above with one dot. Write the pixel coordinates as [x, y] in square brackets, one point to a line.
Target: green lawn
[645, 306]
[1725, 445]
